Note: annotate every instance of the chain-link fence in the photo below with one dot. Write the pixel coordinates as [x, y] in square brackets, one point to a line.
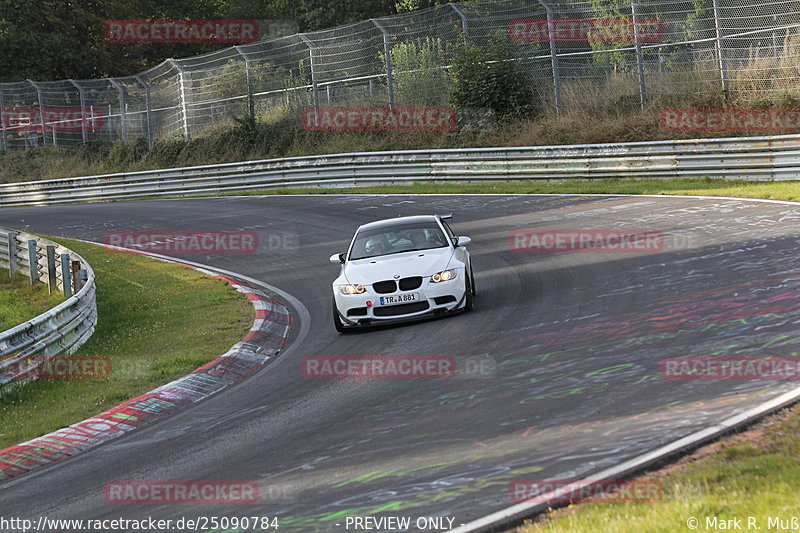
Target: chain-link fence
[592, 54]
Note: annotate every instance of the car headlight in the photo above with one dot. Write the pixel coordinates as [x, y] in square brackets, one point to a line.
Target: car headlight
[444, 275]
[352, 289]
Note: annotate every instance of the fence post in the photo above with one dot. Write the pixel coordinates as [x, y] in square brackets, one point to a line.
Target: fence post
[314, 86]
[723, 74]
[75, 268]
[639, 57]
[184, 107]
[66, 282]
[33, 261]
[123, 115]
[387, 50]
[11, 240]
[41, 109]
[82, 97]
[148, 102]
[4, 144]
[251, 107]
[52, 281]
[551, 31]
[464, 20]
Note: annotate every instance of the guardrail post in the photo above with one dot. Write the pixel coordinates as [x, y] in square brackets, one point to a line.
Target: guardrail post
[723, 74]
[148, 102]
[551, 31]
[52, 281]
[464, 20]
[314, 87]
[387, 50]
[82, 97]
[41, 109]
[11, 239]
[249, 80]
[33, 261]
[66, 282]
[81, 279]
[4, 144]
[123, 115]
[75, 267]
[184, 106]
[639, 57]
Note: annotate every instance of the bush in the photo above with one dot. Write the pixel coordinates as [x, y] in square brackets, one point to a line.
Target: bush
[489, 78]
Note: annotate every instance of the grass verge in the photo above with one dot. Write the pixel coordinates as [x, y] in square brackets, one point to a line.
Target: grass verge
[754, 473]
[20, 301]
[157, 321]
[786, 190]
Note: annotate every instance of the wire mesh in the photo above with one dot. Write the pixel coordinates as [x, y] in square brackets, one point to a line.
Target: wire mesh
[572, 53]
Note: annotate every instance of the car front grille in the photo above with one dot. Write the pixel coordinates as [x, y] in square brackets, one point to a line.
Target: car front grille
[384, 287]
[401, 309]
[409, 284]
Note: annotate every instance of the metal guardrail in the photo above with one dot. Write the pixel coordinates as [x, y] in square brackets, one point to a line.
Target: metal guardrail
[62, 329]
[749, 158]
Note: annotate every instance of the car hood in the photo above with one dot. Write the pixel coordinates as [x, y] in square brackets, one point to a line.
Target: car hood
[406, 264]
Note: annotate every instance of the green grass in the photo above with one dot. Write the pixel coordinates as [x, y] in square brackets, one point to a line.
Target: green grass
[20, 301]
[752, 474]
[786, 190]
[157, 321]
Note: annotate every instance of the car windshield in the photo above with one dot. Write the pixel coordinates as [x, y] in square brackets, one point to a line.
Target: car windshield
[396, 239]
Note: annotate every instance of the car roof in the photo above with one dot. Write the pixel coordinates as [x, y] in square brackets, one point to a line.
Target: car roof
[398, 221]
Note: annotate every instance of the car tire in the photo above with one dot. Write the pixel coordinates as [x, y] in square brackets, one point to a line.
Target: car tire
[471, 280]
[337, 323]
[468, 294]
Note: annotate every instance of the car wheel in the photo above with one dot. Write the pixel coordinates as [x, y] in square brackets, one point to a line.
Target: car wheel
[337, 323]
[468, 294]
[471, 280]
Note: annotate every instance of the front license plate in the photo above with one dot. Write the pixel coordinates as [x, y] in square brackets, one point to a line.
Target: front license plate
[400, 298]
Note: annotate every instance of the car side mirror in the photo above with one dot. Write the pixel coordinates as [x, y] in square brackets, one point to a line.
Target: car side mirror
[463, 241]
[337, 259]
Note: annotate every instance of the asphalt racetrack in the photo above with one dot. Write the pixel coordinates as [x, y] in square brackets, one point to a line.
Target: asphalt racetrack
[561, 364]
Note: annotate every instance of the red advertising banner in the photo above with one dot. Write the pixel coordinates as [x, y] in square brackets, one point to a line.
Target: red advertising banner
[181, 31]
[55, 118]
[608, 30]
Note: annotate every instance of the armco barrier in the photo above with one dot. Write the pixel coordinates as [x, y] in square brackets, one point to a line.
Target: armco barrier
[749, 158]
[62, 329]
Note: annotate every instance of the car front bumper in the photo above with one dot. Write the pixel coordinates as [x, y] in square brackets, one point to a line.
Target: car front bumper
[435, 298]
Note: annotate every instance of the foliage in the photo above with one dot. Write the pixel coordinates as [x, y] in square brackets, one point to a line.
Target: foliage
[417, 71]
[488, 77]
[57, 39]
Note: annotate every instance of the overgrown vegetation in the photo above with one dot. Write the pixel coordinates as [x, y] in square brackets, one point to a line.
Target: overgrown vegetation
[54, 39]
[486, 78]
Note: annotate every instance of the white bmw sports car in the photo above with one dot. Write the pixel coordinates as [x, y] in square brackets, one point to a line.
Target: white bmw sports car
[400, 269]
